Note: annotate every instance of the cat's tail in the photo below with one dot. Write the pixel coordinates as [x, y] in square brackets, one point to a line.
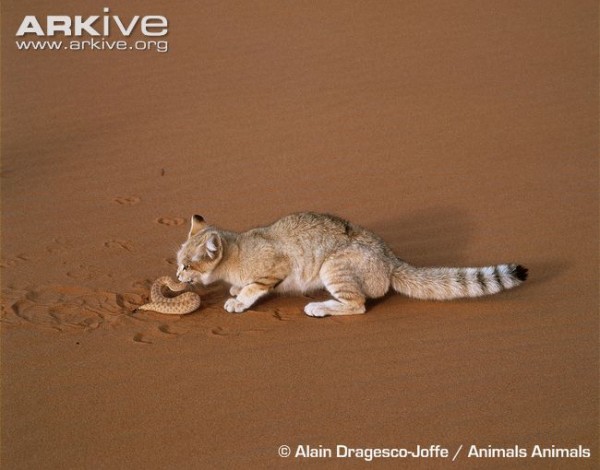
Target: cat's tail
[452, 283]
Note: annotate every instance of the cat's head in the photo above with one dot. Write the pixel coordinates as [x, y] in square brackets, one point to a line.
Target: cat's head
[200, 254]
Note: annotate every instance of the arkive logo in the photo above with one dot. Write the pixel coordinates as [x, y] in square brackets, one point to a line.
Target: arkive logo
[95, 32]
[152, 25]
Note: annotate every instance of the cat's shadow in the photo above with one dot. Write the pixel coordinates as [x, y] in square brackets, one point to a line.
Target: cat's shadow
[441, 236]
[442, 232]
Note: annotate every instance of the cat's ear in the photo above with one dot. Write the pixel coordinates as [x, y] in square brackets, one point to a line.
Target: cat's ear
[213, 244]
[198, 224]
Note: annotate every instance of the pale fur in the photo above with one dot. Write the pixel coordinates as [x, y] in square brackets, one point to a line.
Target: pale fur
[179, 305]
[308, 251]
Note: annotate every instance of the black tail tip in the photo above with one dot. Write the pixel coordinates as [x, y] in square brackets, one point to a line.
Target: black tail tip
[521, 272]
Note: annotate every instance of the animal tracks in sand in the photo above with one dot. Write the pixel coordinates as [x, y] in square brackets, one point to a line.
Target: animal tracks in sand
[59, 246]
[127, 200]
[281, 315]
[83, 273]
[170, 221]
[221, 331]
[61, 308]
[76, 309]
[14, 261]
[171, 261]
[119, 244]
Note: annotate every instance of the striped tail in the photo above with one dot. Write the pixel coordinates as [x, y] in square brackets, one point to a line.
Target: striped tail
[453, 283]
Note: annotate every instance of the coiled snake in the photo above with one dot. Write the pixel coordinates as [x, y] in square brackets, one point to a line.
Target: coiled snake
[179, 305]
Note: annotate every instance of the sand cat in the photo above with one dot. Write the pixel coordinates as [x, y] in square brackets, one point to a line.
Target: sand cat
[307, 251]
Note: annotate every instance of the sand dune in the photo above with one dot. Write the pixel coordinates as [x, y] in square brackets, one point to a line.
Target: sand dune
[463, 133]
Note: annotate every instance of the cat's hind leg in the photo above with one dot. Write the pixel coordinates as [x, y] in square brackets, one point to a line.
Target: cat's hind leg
[348, 298]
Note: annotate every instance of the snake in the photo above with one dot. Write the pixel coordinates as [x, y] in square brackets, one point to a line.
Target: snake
[179, 305]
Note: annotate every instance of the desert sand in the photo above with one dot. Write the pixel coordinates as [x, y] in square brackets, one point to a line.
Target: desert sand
[463, 133]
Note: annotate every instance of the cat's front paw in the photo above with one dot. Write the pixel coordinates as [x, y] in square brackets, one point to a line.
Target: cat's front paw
[316, 309]
[234, 290]
[235, 306]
